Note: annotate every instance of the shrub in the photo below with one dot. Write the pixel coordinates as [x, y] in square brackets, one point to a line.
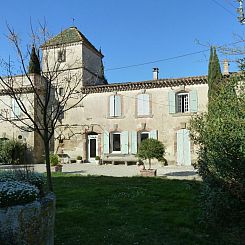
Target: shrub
[54, 159]
[12, 152]
[151, 148]
[220, 134]
[79, 158]
[97, 158]
[15, 192]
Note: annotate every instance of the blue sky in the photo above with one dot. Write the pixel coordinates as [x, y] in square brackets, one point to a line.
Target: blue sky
[135, 31]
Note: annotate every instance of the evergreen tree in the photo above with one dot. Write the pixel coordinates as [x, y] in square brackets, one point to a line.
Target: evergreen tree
[34, 64]
[214, 74]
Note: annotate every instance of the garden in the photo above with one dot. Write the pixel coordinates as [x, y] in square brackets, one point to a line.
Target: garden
[138, 210]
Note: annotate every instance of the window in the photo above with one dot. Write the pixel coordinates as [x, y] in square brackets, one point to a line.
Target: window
[61, 113]
[143, 136]
[183, 102]
[115, 106]
[116, 142]
[143, 105]
[16, 111]
[61, 91]
[62, 55]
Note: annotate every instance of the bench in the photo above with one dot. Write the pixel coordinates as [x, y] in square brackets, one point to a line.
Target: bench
[119, 158]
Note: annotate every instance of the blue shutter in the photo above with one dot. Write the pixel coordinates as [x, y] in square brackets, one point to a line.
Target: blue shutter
[117, 105]
[193, 101]
[180, 147]
[140, 104]
[171, 102]
[187, 147]
[15, 109]
[111, 105]
[106, 142]
[153, 134]
[146, 104]
[133, 142]
[183, 147]
[124, 142]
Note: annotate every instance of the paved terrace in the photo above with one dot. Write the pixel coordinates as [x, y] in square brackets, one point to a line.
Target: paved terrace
[170, 172]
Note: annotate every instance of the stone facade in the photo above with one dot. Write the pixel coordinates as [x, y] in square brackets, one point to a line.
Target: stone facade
[113, 119]
[92, 120]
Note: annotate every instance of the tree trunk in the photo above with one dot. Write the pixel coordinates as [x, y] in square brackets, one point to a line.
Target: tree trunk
[149, 163]
[47, 161]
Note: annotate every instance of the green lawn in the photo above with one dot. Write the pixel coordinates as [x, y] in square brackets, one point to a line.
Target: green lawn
[107, 210]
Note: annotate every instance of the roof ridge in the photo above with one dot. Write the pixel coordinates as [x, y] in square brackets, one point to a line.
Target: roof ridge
[68, 36]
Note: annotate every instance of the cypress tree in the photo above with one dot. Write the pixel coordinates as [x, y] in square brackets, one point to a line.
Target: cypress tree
[214, 74]
[34, 64]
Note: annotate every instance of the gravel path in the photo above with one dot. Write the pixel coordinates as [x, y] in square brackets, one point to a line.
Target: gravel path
[171, 172]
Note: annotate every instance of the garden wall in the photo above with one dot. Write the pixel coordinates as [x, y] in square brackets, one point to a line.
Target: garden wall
[28, 224]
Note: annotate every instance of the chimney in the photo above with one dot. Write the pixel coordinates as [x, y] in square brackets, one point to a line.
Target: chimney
[155, 73]
[225, 67]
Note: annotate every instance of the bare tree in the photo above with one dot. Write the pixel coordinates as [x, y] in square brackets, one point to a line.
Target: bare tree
[42, 94]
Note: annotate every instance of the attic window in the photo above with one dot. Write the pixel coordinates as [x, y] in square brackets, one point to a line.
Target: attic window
[62, 55]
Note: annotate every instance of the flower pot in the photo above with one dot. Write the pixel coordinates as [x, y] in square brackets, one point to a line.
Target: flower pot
[79, 161]
[31, 223]
[58, 168]
[148, 172]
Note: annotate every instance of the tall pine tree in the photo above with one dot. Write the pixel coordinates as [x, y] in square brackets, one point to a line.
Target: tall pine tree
[34, 64]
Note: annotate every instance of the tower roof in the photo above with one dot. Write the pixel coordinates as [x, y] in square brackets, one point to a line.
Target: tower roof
[70, 35]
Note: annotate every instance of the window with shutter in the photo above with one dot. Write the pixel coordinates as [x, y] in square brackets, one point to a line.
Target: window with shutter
[115, 106]
[143, 105]
[15, 109]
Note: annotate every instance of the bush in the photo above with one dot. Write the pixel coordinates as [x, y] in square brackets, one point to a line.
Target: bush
[54, 159]
[79, 158]
[151, 148]
[220, 134]
[12, 152]
[15, 192]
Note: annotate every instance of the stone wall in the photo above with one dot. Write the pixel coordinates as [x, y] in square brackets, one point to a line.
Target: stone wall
[30, 224]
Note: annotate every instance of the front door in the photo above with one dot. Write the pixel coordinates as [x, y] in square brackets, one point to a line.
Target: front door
[92, 147]
[183, 147]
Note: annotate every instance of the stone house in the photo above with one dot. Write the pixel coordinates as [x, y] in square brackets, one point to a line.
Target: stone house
[113, 119]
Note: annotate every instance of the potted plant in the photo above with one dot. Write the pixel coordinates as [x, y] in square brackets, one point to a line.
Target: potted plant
[150, 149]
[97, 160]
[54, 160]
[79, 159]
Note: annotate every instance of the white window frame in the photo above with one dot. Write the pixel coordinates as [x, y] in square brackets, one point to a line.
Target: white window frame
[112, 142]
[180, 100]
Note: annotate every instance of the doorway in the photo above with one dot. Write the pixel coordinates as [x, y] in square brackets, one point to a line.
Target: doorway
[92, 147]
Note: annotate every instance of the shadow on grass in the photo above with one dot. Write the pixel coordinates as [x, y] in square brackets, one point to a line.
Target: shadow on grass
[74, 172]
[184, 173]
[126, 210]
